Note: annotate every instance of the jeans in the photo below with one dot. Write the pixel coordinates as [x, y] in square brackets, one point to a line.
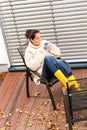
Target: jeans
[51, 65]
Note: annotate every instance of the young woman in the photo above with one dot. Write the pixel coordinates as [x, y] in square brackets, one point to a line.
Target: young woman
[45, 57]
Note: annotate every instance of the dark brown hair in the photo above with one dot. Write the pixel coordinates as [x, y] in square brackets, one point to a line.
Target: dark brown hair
[30, 33]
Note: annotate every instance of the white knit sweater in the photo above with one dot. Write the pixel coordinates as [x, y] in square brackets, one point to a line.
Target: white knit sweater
[34, 56]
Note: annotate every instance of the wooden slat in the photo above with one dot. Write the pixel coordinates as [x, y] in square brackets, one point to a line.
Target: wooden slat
[10, 94]
[2, 77]
[13, 79]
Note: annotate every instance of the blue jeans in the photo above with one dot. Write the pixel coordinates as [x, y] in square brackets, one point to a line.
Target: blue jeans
[51, 65]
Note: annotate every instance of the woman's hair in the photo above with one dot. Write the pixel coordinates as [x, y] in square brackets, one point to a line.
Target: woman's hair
[30, 33]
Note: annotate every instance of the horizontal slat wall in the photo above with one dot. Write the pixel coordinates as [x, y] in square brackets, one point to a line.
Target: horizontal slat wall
[71, 25]
[19, 15]
[62, 20]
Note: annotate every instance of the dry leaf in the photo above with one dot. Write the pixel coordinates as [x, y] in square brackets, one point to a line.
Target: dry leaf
[85, 124]
[75, 126]
[8, 124]
[30, 124]
[46, 102]
[58, 106]
[58, 128]
[27, 112]
[81, 116]
[36, 94]
[2, 115]
[18, 110]
[49, 125]
[9, 114]
[63, 112]
[3, 128]
[66, 125]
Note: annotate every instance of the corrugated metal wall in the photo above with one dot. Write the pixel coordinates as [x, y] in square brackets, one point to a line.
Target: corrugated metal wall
[60, 21]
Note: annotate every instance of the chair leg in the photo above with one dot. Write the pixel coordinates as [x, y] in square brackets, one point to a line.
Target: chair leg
[70, 126]
[51, 97]
[27, 86]
[67, 111]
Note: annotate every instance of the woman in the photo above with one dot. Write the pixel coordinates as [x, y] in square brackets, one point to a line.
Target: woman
[44, 57]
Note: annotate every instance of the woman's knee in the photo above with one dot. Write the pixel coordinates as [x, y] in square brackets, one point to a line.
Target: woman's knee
[50, 63]
[49, 58]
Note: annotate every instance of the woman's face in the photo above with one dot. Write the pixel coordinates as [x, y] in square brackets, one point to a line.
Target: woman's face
[37, 40]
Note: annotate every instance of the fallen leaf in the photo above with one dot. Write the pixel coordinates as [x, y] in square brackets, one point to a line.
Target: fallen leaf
[66, 125]
[18, 110]
[3, 128]
[63, 112]
[30, 124]
[36, 94]
[28, 112]
[81, 116]
[85, 124]
[8, 124]
[75, 126]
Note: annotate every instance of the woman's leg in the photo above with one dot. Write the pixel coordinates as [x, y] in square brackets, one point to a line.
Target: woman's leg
[51, 65]
[59, 68]
[46, 73]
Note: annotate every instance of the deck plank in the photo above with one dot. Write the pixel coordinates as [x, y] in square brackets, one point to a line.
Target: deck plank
[8, 99]
[17, 112]
[27, 110]
[8, 92]
[38, 109]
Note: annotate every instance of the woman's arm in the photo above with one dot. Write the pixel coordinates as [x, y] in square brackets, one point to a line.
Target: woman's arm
[34, 62]
[53, 49]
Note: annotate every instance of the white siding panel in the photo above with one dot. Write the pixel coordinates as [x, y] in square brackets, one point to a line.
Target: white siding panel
[19, 15]
[71, 25]
[62, 21]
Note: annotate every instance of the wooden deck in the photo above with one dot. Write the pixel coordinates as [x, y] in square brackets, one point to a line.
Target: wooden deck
[17, 112]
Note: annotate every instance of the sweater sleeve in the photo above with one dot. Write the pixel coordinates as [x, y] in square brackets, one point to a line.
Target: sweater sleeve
[54, 50]
[34, 62]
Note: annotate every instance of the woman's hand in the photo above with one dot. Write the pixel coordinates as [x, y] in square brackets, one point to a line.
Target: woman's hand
[47, 46]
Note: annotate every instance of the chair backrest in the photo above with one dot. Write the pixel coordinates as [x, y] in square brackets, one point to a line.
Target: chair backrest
[21, 50]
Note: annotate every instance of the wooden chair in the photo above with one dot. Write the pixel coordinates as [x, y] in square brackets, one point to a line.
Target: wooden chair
[75, 103]
[29, 72]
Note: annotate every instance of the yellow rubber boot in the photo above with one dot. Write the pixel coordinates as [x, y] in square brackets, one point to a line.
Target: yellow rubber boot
[61, 77]
[73, 83]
